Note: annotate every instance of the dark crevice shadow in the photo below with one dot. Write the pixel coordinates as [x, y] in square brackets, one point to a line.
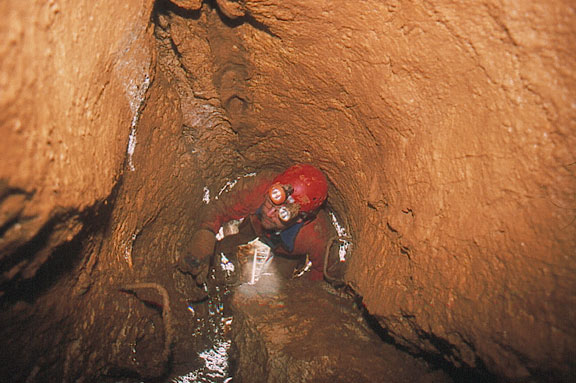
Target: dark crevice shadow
[63, 259]
[166, 7]
[436, 361]
[60, 262]
[246, 19]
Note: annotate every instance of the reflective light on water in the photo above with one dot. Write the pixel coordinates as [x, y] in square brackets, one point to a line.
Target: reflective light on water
[226, 264]
[227, 187]
[224, 189]
[342, 233]
[215, 328]
[128, 247]
[206, 195]
[131, 146]
[136, 95]
[229, 228]
[230, 184]
[216, 359]
[215, 366]
[220, 234]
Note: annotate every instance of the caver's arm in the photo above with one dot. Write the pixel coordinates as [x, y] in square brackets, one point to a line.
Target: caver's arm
[245, 197]
[313, 239]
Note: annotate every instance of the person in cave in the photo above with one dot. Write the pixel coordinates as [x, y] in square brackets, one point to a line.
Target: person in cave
[286, 211]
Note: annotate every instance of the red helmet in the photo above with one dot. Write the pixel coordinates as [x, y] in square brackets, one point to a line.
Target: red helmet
[309, 184]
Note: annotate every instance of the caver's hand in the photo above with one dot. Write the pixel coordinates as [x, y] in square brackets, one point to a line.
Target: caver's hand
[198, 263]
[198, 268]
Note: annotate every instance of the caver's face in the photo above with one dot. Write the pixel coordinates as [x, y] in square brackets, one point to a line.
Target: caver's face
[270, 218]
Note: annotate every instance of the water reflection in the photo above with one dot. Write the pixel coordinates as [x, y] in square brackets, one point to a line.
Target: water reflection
[216, 368]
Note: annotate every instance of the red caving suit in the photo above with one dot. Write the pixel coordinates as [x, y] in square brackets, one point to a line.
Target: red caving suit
[244, 201]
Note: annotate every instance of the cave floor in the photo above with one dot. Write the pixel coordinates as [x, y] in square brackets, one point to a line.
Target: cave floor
[295, 330]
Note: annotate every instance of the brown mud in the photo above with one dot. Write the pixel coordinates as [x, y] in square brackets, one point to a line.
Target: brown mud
[446, 129]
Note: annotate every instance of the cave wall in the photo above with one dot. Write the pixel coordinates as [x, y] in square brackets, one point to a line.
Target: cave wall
[446, 129]
[78, 205]
[111, 140]
[72, 77]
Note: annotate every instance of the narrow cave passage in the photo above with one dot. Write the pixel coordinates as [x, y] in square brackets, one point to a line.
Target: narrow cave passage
[445, 132]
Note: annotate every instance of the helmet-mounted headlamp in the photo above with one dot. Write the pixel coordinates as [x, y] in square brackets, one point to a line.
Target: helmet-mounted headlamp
[288, 212]
[277, 194]
[281, 195]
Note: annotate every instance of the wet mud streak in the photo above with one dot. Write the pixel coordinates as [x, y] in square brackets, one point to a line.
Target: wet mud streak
[212, 363]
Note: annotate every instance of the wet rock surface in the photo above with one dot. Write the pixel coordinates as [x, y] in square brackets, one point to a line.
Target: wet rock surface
[300, 331]
[446, 130]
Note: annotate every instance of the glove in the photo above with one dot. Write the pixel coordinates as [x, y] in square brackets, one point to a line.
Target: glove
[198, 268]
[198, 264]
[203, 241]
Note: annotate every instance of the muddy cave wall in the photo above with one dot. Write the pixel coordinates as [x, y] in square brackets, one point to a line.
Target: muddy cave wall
[446, 130]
